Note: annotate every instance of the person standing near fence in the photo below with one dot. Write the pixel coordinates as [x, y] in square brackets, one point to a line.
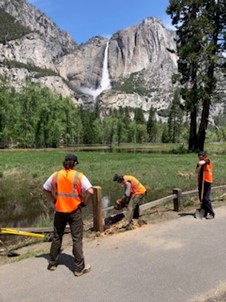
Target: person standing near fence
[205, 178]
[69, 190]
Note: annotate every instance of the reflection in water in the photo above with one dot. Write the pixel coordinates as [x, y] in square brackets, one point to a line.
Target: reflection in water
[24, 214]
[30, 214]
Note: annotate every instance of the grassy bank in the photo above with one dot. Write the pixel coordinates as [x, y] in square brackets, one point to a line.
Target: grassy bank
[22, 173]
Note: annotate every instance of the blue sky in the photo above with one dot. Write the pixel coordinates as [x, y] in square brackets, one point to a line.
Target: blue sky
[83, 19]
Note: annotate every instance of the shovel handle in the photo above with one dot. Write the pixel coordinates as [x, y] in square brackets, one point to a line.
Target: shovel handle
[21, 233]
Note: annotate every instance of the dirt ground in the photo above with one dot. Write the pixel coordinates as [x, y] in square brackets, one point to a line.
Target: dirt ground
[217, 294]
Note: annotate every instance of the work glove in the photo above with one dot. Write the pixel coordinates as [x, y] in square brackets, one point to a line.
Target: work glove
[119, 204]
[202, 162]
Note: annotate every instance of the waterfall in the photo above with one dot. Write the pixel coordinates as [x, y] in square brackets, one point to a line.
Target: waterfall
[105, 82]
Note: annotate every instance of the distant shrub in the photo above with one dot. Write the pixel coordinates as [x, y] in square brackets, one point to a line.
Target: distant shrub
[132, 84]
[179, 150]
[164, 112]
[40, 72]
[10, 29]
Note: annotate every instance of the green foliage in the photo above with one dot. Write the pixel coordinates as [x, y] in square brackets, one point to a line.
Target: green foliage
[175, 119]
[10, 29]
[164, 112]
[160, 171]
[200, 27]
[141, 133]
[119, 131]
[40, 72]
[109, 130]
[132, 84]
[87, 123]
[97, 131]
[152, 126]
[179, 150]
[188, 202]
[41, 118]
[165, 135]
[139, 116]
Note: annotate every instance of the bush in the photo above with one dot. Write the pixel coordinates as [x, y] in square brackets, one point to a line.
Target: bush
[10, 29]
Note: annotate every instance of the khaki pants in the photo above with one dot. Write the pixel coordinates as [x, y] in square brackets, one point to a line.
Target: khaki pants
[133, 207]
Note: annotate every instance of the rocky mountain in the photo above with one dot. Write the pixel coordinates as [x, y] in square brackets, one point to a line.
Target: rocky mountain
[133, 68]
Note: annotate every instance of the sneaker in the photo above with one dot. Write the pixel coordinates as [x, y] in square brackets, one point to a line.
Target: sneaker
[51, 267]
[211, 216]
[85, 270]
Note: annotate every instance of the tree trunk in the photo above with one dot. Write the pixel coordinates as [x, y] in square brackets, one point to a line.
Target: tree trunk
[193, 128]
[211, 83]
[210, 87]
[203, 125]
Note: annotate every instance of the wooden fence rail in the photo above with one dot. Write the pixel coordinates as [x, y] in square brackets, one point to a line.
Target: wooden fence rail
[176, 197]
[98, 222]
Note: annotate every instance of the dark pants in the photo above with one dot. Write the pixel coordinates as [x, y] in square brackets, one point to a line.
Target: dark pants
[205, 199]
[76, 225]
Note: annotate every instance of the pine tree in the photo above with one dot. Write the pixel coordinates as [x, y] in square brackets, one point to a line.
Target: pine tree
[139, 116]
[152, 126]
[200, 29]
[175, 119]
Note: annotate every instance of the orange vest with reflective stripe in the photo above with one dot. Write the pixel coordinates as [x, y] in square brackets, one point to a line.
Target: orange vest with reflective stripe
[207, 173]
[67, 187]
[136, 187]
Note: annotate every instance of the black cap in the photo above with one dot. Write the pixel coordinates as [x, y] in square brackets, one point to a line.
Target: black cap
[71, 157]
[202, 153]
[118, 178]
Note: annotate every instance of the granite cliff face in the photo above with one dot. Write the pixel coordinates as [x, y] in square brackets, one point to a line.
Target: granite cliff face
[133, 68]
[139, 57]
[39, 49]
[59, 42]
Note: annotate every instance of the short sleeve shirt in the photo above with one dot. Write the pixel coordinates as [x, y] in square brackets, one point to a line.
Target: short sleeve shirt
[84, 182]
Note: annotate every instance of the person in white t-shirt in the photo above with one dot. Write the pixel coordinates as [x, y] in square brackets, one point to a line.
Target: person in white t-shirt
[69, 190]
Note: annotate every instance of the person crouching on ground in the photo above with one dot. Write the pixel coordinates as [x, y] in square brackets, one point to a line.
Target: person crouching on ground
[205, 179]
[133, 197]
[65, 189]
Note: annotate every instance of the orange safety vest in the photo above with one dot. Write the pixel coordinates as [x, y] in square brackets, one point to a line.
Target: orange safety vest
[207, 173]
[136, 187]
[67, 186]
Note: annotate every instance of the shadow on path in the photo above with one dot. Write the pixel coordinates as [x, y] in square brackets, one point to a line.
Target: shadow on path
[186, 214]
[64, 259]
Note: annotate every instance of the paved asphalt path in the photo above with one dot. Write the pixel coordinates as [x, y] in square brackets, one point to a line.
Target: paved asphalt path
[173, 261]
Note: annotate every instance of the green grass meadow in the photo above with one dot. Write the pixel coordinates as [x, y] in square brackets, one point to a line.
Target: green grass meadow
[23, 172]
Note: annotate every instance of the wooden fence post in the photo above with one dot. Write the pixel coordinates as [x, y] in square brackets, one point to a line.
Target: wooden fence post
[97, 210]
[177, 202]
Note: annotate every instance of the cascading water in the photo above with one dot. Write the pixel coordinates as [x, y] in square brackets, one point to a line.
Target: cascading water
[105, 82]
